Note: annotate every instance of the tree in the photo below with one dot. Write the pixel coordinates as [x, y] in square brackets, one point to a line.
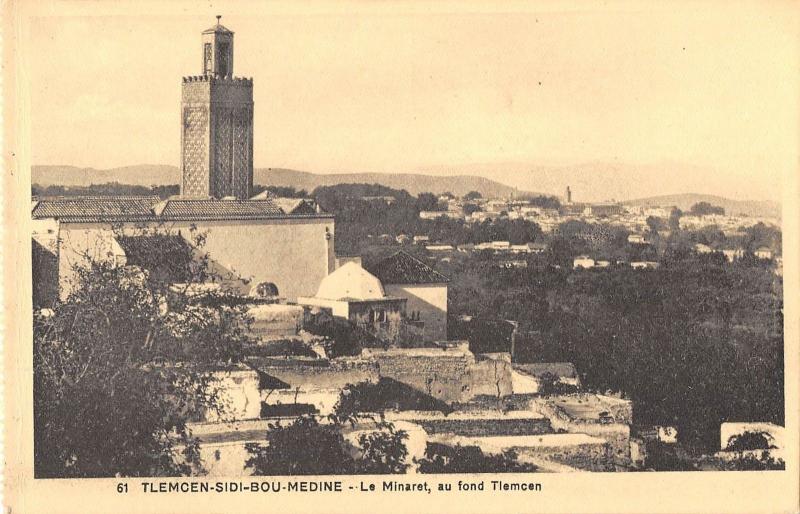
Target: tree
[545, 202]
[427, 202]
[705, 208]
[304, 447]
[121, 366]
[440, 458]
[758, 440]
[470, 208]
[308, 447]
[473, 195]
[655, 224]
[675, 219]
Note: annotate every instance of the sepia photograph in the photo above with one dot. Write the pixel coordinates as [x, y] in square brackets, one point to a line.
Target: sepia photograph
[423, 249]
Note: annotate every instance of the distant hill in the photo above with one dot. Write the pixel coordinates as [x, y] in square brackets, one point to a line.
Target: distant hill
[139, 175]
[598, 181]
[414, 183]
[160, 175]
[685, 202]
[589, 182]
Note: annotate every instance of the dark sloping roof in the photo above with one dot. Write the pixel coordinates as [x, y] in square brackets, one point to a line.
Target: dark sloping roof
[168, 256]
[109, 209]
[99, 208]
[295, 205]
[218, 29]
[218, 209]
[402, 268]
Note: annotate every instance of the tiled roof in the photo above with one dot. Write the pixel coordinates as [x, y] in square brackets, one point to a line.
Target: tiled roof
[218, 28]
[96, 208]
[294, 205]
[218, 209]
[150, 208]
[402, 268]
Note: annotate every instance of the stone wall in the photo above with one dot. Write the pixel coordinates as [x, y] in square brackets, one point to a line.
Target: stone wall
[485, 426]
[581, 414]
[451, 375]
[585, 457]
[440, 374]
[325, 375]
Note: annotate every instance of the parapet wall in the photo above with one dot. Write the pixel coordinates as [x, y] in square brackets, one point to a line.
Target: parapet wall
[319, 375]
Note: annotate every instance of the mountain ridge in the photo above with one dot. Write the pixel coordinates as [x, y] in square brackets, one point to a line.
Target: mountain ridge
[582, 178]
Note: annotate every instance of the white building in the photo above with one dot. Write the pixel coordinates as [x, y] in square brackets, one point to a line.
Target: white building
[583, 262]
[424, 288]
[763, 253]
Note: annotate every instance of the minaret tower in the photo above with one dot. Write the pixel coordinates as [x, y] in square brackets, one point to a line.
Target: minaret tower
[217, 128]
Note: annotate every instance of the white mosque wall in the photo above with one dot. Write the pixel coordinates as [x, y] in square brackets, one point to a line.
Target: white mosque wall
[293, 253]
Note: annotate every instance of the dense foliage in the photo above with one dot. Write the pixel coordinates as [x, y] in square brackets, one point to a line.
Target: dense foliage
[308, 447]
[106, 189]
[117, 375]
[705, 208]
[693, 343]
[440, 458]
[748, 440]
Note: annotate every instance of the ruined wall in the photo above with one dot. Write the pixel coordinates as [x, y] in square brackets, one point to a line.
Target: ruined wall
[580, 414]
[485, 427]
[440, 374]
[451, 375]
[585, 457]
[325, 375]
[318, 383]
[489, 377]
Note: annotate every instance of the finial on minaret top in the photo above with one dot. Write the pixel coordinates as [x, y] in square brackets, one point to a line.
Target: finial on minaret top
[218, 18]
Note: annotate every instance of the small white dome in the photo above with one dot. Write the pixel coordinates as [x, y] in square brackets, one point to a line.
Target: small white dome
[351, 281]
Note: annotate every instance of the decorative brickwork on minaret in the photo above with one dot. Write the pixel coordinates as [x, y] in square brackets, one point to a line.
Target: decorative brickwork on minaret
[217, 124]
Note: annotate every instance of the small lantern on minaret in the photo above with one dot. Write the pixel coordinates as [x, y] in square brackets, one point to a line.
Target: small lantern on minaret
[218, 51]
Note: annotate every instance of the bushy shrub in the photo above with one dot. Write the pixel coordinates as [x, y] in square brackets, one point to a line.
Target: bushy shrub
[440, 458]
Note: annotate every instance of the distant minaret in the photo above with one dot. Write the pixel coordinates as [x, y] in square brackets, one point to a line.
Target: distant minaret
[569, 195]
[217, 128]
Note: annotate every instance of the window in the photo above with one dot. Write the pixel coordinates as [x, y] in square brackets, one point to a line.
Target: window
[222, 59]
[207, 58]
[379, 316]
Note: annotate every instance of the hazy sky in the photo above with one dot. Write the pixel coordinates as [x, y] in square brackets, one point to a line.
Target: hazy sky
[399, 90]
